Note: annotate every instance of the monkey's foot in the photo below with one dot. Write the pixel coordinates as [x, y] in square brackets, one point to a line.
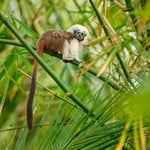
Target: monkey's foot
[79, 61]
[66, 61]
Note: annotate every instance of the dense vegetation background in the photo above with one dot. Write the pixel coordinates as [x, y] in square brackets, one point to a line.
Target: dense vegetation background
[109, 107]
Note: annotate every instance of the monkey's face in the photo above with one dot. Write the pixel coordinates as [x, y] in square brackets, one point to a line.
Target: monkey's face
[79, 31]
[80, 35]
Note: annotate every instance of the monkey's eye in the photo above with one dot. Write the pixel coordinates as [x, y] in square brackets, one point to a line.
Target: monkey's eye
[83, 34]
[76, 31]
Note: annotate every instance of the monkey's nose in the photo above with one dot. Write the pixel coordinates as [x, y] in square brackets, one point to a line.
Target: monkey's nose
[80, 37]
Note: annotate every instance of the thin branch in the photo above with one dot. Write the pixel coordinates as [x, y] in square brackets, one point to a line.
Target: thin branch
[121, 6]
[133, 17]
[50, 91]
[107, 33]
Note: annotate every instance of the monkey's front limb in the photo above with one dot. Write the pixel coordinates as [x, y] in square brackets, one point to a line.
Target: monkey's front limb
[74, 50]
[70, 52]
[66, 53]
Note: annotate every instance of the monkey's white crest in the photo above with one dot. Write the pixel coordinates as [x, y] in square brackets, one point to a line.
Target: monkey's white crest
[79, 31]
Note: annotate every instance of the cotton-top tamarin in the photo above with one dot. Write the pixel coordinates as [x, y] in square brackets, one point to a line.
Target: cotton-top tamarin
[54, 41]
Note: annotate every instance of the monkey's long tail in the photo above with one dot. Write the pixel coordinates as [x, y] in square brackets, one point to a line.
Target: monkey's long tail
[40, 48]
[31, 96]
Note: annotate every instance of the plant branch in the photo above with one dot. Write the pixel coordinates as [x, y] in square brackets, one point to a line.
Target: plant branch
[50, 91]
[133, 17]
[117, 54]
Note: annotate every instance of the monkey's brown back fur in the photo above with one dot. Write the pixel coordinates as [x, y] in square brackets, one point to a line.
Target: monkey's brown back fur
[54, 40]
[50, 41]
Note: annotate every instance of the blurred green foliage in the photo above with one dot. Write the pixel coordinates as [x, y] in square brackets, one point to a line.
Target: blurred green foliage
[113, 82]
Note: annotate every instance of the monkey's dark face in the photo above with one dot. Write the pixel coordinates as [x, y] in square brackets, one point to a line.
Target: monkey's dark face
[79, 35]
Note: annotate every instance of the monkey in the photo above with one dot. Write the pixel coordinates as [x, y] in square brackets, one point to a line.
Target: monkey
[51, 42]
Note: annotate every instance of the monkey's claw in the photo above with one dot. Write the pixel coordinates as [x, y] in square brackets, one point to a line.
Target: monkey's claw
[65, 61]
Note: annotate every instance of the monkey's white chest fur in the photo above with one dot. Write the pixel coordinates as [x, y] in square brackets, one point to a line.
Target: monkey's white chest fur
[71, 50]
